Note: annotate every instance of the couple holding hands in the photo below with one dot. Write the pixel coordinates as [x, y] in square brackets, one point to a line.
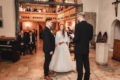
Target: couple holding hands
[57, 55]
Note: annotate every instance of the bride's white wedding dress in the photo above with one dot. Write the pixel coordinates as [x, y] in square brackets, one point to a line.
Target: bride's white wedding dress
[61, 60]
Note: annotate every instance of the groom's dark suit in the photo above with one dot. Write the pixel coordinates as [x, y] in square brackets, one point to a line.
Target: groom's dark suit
[48, 46]
[83, 34]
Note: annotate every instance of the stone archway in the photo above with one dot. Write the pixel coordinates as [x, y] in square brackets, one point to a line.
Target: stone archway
[115, 31]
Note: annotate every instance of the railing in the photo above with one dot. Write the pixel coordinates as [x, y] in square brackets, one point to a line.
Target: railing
[36, 16]
[66, 14]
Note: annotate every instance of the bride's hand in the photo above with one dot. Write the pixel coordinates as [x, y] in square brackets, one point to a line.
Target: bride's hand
[55, 46]
[72, 36]
[51, 53]
[61, 43]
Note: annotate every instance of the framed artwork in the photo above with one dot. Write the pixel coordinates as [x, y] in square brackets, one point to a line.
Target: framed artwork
[1, 22]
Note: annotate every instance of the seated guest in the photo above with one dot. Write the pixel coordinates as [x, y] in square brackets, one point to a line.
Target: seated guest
[28, 9]
[21, 42]
[31, 41]
[35, 10]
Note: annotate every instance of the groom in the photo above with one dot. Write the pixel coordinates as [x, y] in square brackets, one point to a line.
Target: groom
[48, 47]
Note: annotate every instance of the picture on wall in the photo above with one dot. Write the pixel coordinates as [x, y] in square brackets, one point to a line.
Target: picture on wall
[1, 22]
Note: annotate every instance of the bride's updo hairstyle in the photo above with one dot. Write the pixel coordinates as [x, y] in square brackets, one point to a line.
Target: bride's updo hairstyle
[63, 32]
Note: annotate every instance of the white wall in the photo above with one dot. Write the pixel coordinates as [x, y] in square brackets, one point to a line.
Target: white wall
[92, 6]
[9, 21]
[106, 17]
[105, 14]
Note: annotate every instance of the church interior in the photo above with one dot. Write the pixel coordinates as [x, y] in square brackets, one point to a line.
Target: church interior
[30, 15]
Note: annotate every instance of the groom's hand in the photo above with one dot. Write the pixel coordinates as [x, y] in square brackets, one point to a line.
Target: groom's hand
[51, 53]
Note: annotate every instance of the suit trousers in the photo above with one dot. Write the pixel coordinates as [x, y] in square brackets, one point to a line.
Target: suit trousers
[31, 47]
[47, 63]
[83, 61]
[22, 49]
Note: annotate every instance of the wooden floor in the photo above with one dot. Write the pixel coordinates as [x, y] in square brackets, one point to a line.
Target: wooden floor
[30, 67]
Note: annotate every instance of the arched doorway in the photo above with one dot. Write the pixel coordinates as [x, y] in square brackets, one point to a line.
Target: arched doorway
[115, 31]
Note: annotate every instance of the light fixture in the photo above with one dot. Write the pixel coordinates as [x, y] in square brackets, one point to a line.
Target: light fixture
[27, 24]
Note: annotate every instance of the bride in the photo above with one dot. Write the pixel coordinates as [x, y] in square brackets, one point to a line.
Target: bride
[61, 59]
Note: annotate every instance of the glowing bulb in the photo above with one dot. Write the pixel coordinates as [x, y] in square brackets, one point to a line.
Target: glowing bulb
[27, 24]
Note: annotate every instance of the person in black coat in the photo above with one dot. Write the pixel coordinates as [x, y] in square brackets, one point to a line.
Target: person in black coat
[48, 47]
[34, 33]
[83, 35]
[31, 41]
[21, 42]
[26, 34]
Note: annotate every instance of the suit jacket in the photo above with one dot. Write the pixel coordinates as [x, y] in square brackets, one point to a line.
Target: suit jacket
[83, 34]
[48, 40]
[21, 39]
[33, 38]
[26, 34]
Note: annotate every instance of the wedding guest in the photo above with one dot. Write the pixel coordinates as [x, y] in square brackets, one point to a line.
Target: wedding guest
[34, 32]
[28, 9]
[31, 42]
[83, 35]
[21, 42]
[26, 34]
[48, 47]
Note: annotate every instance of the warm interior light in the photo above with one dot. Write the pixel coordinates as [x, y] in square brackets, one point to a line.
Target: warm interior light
[27, 24]
[70, 24]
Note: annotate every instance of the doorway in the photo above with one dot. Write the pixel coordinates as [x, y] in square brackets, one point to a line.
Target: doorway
[115, 32]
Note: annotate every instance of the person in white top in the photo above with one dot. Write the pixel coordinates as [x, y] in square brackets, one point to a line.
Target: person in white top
[61, 59]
